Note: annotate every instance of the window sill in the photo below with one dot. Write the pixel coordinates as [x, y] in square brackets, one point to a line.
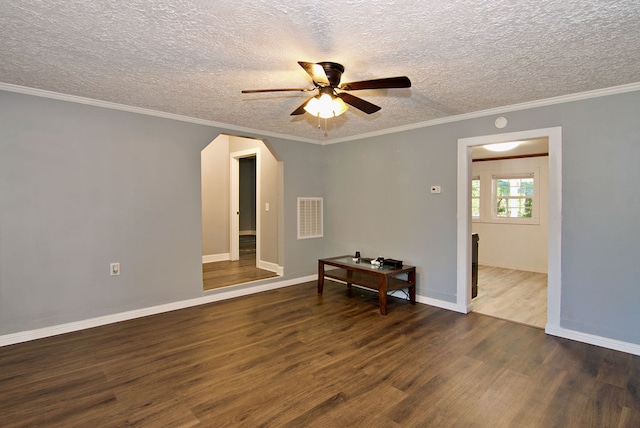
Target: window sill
[521, 221]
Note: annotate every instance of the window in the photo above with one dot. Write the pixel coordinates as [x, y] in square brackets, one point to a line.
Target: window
[508, 191]
[310, 218]
[475, 197]
[514, 196]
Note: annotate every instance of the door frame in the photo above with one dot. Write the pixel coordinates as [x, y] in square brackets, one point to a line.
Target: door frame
[463, 291]
[234, 202]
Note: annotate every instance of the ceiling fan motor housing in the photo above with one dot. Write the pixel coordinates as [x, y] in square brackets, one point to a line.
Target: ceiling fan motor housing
[334, 71]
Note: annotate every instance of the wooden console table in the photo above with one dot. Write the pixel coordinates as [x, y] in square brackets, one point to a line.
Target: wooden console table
[382, 278]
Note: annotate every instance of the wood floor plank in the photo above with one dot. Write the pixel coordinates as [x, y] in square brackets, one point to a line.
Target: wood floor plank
[514, 295]
[290, 358]
[629, 418]
[633, 385]
[226, 273]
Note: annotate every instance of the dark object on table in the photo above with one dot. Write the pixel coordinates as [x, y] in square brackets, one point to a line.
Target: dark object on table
[395, 264]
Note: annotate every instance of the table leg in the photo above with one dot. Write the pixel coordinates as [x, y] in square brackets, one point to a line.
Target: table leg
[382, 294]
[320, 277]
[412, 288]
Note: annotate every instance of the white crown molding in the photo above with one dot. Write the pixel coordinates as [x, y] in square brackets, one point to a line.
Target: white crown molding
[631, 87]
[498, 110]
[139, 110]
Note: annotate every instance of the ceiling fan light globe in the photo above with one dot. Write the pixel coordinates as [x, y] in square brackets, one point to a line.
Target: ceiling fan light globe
[339, 106]
[325, 106]
[313, 106]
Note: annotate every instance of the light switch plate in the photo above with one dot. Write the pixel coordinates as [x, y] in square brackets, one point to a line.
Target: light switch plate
[114, 269]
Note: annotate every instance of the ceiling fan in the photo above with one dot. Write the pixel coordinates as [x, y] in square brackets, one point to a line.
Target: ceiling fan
[329, 102]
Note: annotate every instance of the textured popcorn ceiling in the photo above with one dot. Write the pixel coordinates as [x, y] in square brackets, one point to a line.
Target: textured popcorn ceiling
[193, 58]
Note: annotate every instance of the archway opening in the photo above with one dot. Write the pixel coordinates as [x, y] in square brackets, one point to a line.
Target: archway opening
[241, 209]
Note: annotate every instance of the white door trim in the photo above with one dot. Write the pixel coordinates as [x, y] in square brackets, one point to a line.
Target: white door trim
[234, 203]
[463, 292]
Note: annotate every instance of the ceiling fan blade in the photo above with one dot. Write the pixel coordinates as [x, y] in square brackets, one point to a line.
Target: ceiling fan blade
[389, 82]
[301, 110]
[253, 91]
[359, 103]
[316, 71]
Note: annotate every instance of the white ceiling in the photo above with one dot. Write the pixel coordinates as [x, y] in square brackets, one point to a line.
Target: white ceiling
[193, 58]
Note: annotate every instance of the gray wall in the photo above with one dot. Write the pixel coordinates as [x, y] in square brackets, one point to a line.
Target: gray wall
[601, 221]
[378, 202]
[83, 186]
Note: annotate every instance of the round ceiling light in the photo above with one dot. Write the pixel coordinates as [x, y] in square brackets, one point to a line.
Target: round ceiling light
[502, 147]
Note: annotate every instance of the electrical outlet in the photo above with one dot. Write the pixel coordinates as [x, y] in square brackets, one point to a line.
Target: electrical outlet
[114, 269]
[436, 189]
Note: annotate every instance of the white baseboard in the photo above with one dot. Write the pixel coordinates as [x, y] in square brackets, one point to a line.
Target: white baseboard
[442, 304]
[427, 301]
[210, 258]
[617, 345]
[523, 268]
[209, 297]
[592, 339]
[271, 267]
[247, 232]
[239, 291]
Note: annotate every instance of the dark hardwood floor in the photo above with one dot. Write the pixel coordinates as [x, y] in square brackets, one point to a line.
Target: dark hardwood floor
[226, 273]
[290, 358]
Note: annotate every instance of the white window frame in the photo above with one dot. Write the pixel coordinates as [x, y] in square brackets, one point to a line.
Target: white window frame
[535, 208]
[488, 196]
[479, 198]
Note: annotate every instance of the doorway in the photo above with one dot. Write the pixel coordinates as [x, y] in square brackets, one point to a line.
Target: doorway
[465, 145]
[245, 198]
[509, 212]
[241, 212]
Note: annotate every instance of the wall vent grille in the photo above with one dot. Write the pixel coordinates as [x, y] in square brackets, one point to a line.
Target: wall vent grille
[310, 223]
